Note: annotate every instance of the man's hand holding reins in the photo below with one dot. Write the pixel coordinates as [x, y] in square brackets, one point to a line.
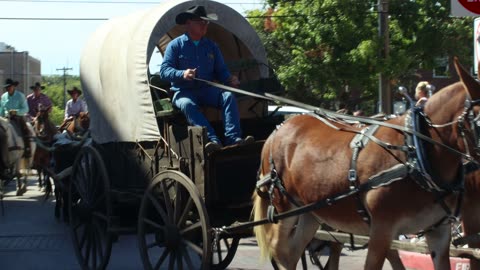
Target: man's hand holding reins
[189, 74]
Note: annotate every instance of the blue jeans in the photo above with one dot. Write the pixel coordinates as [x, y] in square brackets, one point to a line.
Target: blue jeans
[190, 100]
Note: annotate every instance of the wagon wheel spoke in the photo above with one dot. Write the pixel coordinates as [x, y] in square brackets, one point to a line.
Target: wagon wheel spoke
[84, 238]
[227, 244]
[219, 253]
[178, 201]
[224, 251]
[90, 209]
[161, 259]
[179, 260]
[87, 250]
[153, 244]
[99, 233]
[195, 248]
[186, 210]
[171, 261]
[168, 202]
[153, 224]
[158, 207]
[192, 227]
[188, 260]
[94, 251]
[181, 225]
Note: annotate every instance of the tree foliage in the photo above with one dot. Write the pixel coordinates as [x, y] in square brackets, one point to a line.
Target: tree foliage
[54, 89]
[325, 51]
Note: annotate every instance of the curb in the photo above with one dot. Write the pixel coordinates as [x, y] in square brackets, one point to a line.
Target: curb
[419, 261]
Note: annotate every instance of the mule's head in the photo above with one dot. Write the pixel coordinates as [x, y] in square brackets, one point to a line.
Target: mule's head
[84, 119]
[455, 112]
[471, 114]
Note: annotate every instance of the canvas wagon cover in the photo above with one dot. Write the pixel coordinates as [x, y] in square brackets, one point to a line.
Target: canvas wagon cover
[114, 65]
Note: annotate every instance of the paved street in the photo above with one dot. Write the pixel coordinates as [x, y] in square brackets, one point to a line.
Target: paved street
[31, 239]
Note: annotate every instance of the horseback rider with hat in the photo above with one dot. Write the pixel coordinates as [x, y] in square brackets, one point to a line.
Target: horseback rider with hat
[37, 100]
[13, 105]
[191, 56]
[73, 107]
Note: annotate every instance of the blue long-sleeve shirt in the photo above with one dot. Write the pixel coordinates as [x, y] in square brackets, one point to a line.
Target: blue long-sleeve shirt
[17, 102]
[182, 53]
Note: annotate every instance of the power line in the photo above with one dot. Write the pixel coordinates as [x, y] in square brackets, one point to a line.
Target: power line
[55, 19]
[111, 2]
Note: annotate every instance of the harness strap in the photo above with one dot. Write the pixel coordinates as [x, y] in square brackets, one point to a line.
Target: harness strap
[358, 143]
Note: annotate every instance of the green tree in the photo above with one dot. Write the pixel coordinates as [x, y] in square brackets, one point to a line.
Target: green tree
[325, 50]
[54, 90]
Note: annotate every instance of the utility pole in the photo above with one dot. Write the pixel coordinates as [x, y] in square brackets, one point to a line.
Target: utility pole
[64, 69]
[384, 93]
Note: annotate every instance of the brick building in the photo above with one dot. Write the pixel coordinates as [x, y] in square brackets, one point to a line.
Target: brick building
[19, 66]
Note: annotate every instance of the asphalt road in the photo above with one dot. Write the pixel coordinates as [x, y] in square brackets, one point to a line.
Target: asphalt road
[32, 239]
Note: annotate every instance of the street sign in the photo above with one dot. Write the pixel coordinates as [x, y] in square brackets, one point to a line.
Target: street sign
[465, 8]
[476, 44]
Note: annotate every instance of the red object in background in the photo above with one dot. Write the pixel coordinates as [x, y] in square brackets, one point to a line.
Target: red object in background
[471, 5]
[418, 261]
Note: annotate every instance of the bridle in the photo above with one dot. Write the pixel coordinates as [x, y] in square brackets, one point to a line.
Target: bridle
[467, 117]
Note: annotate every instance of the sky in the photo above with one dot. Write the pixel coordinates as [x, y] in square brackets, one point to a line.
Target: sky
[59, 43]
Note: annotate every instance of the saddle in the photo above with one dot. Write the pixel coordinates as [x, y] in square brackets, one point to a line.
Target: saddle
[20, 126]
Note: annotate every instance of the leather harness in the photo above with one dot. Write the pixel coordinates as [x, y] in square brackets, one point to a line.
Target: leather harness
[416, 167]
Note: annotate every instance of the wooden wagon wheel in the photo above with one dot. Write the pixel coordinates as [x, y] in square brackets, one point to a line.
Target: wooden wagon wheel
[90, 210]
[224, 250]
[173, 226]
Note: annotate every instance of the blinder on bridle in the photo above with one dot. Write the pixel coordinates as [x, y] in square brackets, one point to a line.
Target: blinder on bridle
[474, 122]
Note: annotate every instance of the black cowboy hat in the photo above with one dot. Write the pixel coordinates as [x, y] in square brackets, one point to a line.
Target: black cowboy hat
[9, 82]
[195, 12]
[74, 89]
[37, 84]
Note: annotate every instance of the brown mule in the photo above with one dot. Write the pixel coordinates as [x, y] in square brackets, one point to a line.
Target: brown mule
[313, 159]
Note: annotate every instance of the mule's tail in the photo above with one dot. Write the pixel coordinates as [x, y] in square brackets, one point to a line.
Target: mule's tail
[259, 212]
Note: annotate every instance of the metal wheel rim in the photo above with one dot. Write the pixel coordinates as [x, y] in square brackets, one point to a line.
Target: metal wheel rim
[191, 248]
[88, 191]
[223, 252]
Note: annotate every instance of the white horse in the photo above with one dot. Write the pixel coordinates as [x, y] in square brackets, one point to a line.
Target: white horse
[12, 156]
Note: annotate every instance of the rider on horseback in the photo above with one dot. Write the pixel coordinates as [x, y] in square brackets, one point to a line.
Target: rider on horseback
[13, 104]
[73, 107]
[37, 100]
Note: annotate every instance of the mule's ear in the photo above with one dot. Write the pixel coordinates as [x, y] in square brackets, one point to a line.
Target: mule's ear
[471, 85]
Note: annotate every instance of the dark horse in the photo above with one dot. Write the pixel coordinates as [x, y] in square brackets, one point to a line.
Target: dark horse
[312, 157]
[45, 131]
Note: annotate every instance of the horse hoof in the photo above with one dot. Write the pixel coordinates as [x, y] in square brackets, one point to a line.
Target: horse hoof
[21, 190]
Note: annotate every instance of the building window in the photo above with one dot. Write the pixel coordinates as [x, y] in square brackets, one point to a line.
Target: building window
[441, 69]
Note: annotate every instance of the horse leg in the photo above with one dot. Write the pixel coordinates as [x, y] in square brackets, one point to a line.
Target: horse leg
[283, 242]
[394, 258]
[58, 203]
[438, 241]
[64, 205]
[334, 256]
[39, 172]
[381, 236]
[291, 237]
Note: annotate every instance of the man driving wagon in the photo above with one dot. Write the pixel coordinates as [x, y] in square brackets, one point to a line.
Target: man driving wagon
[191, 56]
